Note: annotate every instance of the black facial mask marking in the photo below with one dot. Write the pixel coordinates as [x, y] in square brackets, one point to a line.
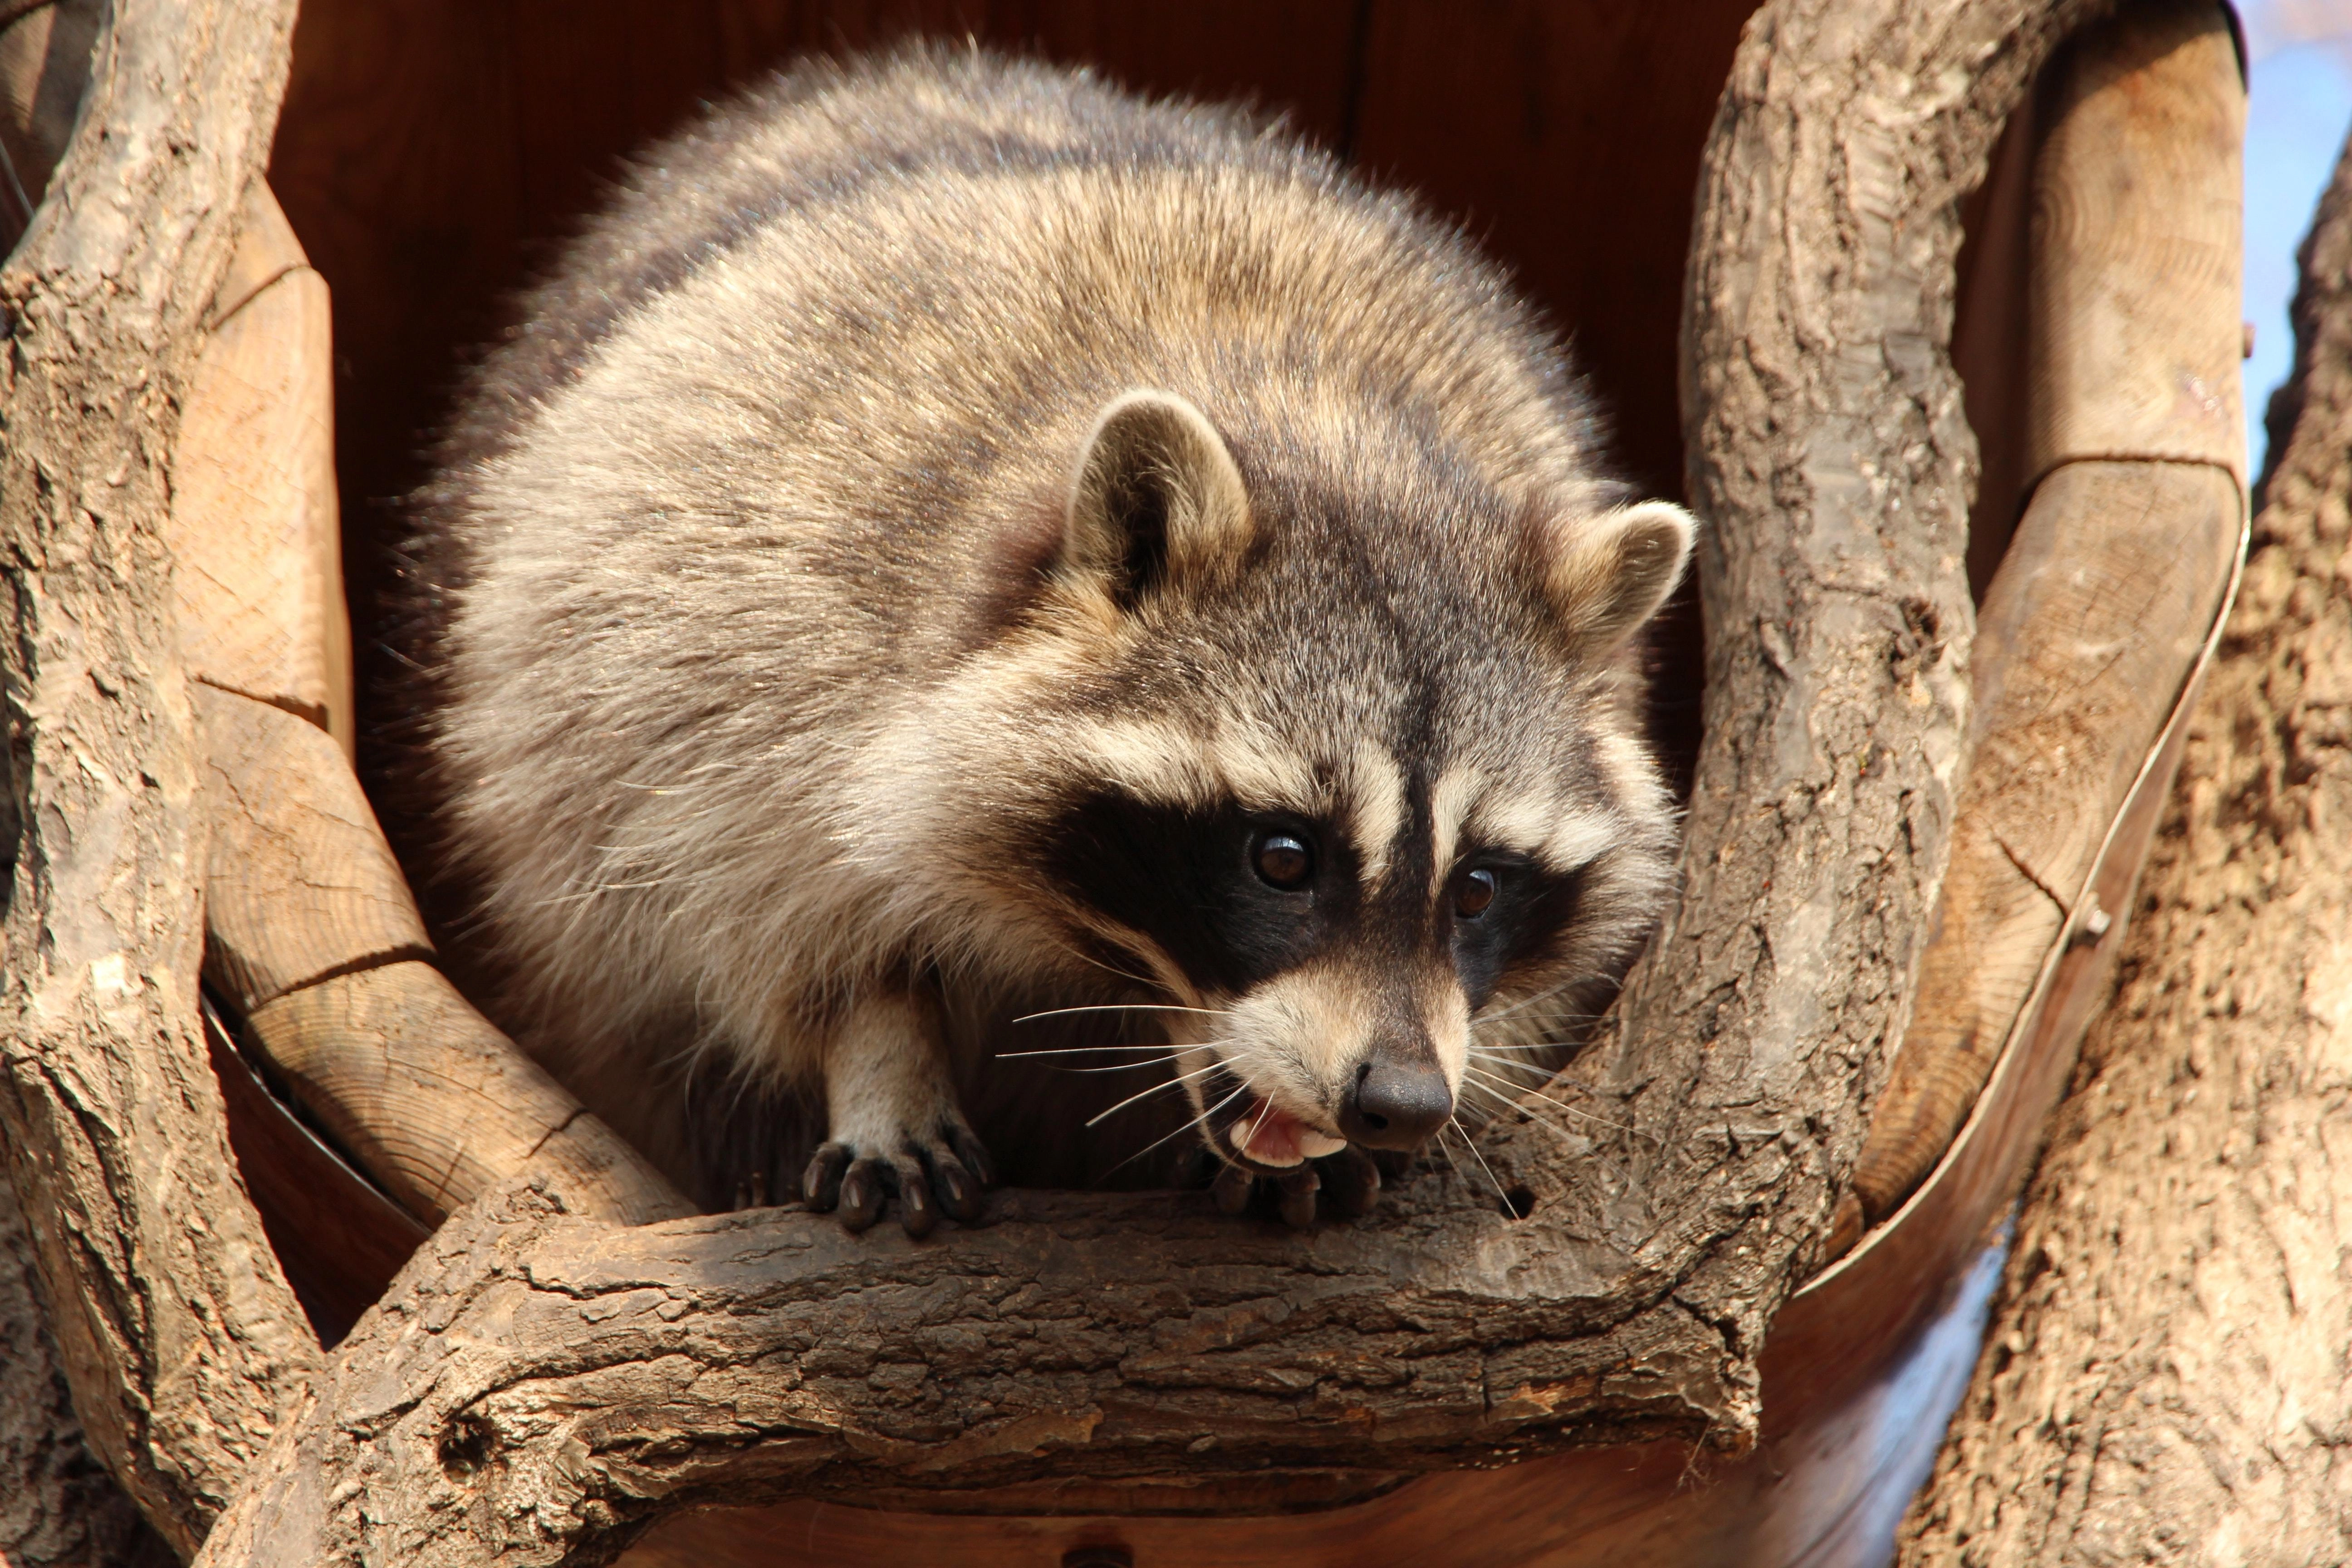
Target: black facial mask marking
[1532, 908]
[1188, 878]
[1184, 876]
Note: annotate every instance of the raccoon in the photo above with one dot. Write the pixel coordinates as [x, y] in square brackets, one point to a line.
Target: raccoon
[953, 540]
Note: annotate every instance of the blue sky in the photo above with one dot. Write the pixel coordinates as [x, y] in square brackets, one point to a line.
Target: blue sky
[2299, 106]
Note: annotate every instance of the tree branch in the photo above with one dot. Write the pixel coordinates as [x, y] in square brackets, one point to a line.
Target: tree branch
[179, 1335]
[1833, 462]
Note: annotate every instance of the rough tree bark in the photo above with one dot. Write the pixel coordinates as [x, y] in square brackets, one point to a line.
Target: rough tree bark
[58, 1507]
[2166, 1378]
[177, 1331]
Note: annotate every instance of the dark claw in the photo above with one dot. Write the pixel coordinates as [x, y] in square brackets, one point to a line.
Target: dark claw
[1232, 1189]
[862, 1192]
[959, 1193]
[1297, 1190]
[1351, 1181]
[821, 1183]
[1195, 1168]
[973, 1155]
[917, 1211]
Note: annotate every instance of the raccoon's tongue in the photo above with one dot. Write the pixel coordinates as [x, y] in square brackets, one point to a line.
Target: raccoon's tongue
[1272, 1136]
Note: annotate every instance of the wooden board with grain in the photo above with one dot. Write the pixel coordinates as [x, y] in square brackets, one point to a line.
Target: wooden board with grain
[2116, 574]
[257, 544]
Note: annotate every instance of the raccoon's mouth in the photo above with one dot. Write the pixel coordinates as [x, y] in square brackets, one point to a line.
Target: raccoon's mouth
[1256, 1134]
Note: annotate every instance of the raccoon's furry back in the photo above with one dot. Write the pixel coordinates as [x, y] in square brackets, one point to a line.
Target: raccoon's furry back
[786, 438]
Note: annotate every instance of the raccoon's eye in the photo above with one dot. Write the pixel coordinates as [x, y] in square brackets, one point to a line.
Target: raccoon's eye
[1474, 892]
[1284, 861]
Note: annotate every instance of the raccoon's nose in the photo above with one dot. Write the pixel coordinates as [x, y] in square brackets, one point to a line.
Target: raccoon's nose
[1395, 1105]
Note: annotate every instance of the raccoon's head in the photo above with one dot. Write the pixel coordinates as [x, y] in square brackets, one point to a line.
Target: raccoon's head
[1337, 757]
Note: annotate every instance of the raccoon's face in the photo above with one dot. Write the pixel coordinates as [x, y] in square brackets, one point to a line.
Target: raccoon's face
[1330, 954]
[1333, 801]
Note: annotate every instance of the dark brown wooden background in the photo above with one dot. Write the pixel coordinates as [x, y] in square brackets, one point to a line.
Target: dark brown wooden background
[431, 150]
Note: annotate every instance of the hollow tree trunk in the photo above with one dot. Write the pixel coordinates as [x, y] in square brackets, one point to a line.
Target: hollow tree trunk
[2166, 1380]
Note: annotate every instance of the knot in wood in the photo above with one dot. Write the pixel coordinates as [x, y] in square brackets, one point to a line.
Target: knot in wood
[466, 1445]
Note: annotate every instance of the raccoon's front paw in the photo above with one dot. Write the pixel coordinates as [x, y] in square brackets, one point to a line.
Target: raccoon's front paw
[945, 1168]
[1348, 1182]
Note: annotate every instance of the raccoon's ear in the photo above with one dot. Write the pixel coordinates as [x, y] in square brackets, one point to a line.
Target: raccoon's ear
[1155, 498]
[1609, 574]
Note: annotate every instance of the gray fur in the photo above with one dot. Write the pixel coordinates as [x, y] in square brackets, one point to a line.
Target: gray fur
[772, 649]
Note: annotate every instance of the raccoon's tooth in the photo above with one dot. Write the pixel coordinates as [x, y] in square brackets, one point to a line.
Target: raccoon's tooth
[1315, 1145]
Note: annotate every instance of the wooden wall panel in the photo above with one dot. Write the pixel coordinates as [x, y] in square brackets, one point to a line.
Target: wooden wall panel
[1566, 134]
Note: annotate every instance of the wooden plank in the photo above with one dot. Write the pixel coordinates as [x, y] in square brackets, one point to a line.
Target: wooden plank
[300, 884]
[2108, 590]
[2137, 214]
[254, 534]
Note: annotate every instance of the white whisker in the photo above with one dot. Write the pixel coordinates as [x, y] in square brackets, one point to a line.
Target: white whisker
[1200, 1120]
[1123, 1007]
[1155, 1089]
[1582, 1145]
[1084, 1051]
[1450, 1160]
[1547, 1100]
[1525, 1002]
[1455, 1122]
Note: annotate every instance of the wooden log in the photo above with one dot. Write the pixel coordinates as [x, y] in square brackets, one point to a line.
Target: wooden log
[255, 545]
[312, 936]
[2138, 251]
[2105, 597]
[2110, 592]
[180, 1337]
[300, 884]
[439, 1104]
